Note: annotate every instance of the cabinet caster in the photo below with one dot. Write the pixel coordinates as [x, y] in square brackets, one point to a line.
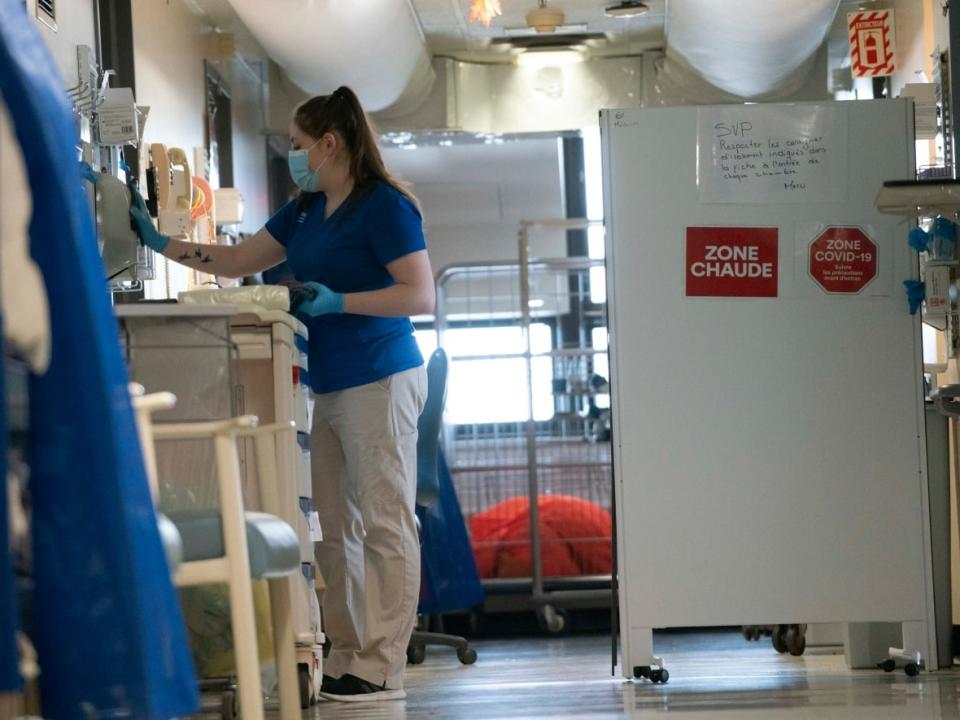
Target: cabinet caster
[796, 640]
[306, 696]
[554, 621]
[911, 662]
[779, 639]
[228, 704]
[654, 675]
[661, 676]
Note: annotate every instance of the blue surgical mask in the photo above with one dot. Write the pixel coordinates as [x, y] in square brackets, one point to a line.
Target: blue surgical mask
[299, 163]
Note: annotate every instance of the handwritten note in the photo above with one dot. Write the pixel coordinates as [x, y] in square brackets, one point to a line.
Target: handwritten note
[754, 154]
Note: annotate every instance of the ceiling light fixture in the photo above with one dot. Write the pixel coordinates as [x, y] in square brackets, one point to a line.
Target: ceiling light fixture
[545, 20]
[626, 9]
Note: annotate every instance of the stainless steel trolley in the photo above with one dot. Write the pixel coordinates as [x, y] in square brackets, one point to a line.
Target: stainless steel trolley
[530, 451]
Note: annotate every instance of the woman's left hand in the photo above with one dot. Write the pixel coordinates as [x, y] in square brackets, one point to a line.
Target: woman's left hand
[316, 300]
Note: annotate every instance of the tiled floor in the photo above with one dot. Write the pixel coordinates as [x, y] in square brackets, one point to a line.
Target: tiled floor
[713, 677]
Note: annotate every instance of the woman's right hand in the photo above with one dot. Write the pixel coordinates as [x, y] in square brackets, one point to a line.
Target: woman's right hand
[254, 254]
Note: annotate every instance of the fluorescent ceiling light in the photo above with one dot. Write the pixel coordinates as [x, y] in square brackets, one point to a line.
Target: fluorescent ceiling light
[549, 58]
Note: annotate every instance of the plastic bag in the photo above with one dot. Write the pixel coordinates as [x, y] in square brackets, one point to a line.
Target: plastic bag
[268, 297]
[206, 612]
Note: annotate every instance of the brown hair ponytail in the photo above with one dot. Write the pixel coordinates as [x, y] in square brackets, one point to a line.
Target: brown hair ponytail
[341, 112]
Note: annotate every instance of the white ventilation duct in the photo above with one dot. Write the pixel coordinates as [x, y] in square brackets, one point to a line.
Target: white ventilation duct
[750, 49]
[374, 46]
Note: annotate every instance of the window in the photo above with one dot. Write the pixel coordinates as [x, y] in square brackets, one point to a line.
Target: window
[593, 180]
[598, 275]
[427, 340]
[601, 362]
[488, 375]
[932, 346]
[593, 174]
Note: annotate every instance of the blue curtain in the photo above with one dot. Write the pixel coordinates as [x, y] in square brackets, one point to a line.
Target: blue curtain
[109, 633]
[450, 578]
[9, 674]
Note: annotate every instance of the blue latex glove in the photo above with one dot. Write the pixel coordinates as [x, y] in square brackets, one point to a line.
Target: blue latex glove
[149, 235]
[316, 299]
[88, 173]
[918, 239]
[940, 241]
[916, 294]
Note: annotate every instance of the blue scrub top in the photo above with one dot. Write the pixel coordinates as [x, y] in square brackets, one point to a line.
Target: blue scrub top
[349, 252]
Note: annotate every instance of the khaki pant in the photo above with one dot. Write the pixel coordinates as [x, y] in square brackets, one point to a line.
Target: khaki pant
[364, 459]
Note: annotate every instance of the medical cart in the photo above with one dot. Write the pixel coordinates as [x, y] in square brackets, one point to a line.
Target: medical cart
[224, 361]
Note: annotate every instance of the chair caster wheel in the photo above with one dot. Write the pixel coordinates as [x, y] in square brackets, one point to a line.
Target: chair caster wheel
[888, 665]
[416, 654]
[911, 669]
[467, 655]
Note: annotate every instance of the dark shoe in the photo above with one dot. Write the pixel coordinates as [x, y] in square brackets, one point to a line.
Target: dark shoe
[330, 684]
[350, 688]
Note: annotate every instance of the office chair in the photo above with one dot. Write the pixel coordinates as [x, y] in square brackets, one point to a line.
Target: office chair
[428, 491]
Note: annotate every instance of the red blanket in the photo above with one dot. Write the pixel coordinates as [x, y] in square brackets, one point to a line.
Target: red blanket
[575, 538]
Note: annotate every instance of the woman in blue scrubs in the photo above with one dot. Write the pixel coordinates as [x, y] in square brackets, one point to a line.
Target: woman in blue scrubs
[355, 237]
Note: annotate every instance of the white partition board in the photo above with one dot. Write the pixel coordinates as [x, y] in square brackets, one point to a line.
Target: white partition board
[769, 450]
